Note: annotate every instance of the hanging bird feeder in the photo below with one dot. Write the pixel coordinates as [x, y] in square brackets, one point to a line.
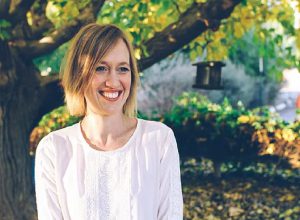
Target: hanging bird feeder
[208, 75]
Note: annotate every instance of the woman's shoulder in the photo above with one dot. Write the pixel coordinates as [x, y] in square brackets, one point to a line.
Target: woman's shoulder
[156, 133]
[154, 126]
[58, 137]
[64, 133]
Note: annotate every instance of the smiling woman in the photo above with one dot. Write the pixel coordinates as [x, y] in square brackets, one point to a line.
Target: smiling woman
[110, 83]
[110, 165]
[96, 50]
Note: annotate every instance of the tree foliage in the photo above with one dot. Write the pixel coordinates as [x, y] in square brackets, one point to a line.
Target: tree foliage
[271, 22]
[264, 27]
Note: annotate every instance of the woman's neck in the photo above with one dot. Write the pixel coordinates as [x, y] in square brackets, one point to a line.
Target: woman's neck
[106, 132]
[104, 125]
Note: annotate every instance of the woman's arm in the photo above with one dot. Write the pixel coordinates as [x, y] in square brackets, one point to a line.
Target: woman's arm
[45, 185]
[171, 201]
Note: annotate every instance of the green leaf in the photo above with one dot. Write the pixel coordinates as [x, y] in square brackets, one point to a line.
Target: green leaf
[244, 2]
[4, 23]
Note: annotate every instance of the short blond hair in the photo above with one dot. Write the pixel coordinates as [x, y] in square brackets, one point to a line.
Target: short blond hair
[87, 48]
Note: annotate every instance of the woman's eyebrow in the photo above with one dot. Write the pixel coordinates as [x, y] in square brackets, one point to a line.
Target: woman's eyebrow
[121, 63]
[103, 62]
[124, 63]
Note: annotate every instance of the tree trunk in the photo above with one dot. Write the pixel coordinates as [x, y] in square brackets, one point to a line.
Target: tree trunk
[19, 104]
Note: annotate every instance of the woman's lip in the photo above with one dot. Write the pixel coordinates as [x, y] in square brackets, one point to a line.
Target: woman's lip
[112, 91]
[110, 99]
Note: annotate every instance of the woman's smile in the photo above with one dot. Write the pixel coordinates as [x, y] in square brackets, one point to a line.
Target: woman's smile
[110, 95]
[111, 82]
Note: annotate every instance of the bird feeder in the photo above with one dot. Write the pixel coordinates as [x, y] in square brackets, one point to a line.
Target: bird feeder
[208, 75]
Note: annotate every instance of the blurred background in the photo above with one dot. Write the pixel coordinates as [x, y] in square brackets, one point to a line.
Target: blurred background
[223, 74]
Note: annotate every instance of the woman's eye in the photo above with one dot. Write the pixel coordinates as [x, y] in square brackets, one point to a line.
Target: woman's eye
[101, 69]
[124, 69]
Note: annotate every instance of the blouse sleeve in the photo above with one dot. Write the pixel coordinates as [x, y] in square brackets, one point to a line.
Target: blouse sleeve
[45, 186]
[170, 198]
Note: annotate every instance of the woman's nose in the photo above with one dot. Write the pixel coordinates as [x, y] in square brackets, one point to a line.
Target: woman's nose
[112, 79]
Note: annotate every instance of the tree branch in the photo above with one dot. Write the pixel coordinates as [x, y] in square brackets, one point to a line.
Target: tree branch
[18, 11]
[96, 6]
[35, 48]
[52, 92]
[40, 22]
[197, 19]
[21, 30]
[4, 8]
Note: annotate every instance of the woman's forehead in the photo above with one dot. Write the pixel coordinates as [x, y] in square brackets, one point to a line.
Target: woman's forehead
[119, 53]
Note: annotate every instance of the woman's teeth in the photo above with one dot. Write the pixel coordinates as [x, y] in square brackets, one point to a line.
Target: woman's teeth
[110, 95]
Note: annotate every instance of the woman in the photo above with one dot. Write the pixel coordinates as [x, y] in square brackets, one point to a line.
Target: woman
[110, 165]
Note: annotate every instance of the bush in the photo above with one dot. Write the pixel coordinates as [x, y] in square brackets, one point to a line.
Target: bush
[223, 133]
[54, 120]
[218, 132]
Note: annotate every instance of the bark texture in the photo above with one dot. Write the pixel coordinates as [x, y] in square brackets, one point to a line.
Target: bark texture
[18, 108]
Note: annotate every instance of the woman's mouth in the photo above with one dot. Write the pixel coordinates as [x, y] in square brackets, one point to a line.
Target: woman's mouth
[110, 96]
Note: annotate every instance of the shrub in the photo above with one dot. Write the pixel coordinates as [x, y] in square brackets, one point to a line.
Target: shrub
[223, 133]
[54, 120]
[218, 132]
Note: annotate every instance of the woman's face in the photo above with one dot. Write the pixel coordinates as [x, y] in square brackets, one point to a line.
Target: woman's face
[110, 85]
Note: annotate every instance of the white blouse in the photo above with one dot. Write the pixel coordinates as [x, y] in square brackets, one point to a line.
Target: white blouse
[139, 181]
